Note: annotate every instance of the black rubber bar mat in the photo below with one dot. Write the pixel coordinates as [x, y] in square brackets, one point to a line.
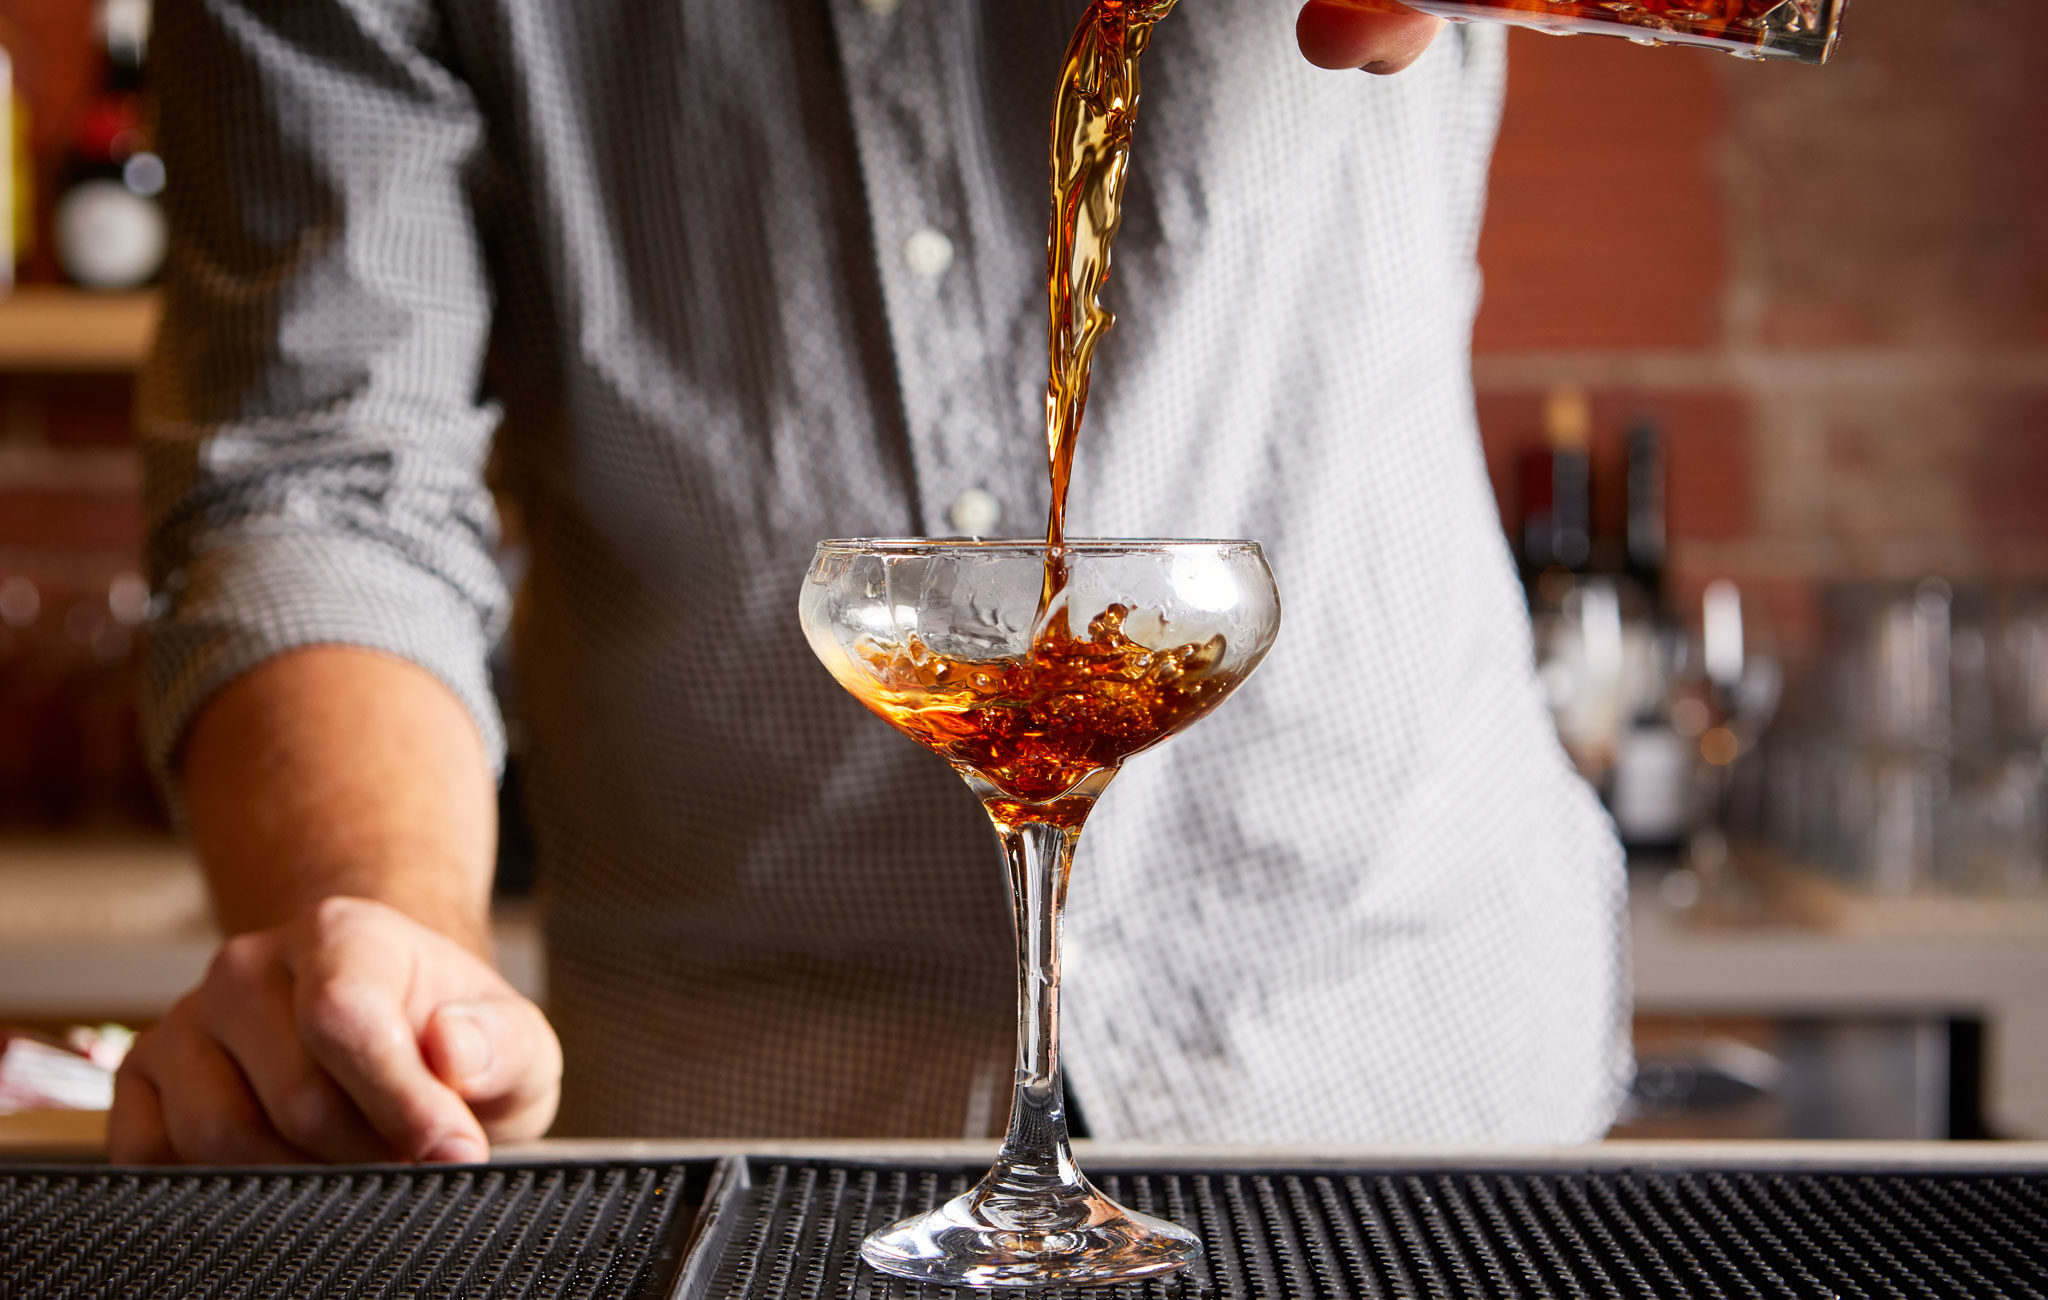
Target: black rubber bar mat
[610, 1229]
[793, 1228]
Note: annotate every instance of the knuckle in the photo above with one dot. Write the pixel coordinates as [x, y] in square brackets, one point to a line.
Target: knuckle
[237, 966]
[184, 1021]
[135, 1064]
[307, 1115]
[334, 917]
[130, 1071]
[343, 1016]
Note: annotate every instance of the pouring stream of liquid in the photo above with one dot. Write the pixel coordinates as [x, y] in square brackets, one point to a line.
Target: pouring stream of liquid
[1091, 150]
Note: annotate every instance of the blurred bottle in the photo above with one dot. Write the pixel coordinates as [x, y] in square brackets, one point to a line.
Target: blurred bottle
[1655, 795]
[1595, 635]
[110, 229]
[17, 170]
[2016, 648]
[1647, 542]
[1557, 497]
[1577, 620]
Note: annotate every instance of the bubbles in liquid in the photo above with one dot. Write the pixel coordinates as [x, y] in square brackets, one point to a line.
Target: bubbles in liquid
[1035, 725]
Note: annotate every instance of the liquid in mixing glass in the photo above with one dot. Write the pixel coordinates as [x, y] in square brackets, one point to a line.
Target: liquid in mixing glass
[1803, 30]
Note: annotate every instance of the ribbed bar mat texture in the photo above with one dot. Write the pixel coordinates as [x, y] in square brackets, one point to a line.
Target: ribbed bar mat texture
[1433, 1235]
[584, 1230]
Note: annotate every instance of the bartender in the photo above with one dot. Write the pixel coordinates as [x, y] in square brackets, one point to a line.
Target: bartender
[706, 282]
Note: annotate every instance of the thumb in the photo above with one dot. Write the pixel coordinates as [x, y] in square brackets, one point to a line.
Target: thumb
[500, 1055]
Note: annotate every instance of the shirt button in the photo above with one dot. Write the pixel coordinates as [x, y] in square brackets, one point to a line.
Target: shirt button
[974, 513]
[928, 253]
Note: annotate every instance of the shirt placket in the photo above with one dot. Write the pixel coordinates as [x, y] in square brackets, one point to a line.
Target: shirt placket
[912, 164]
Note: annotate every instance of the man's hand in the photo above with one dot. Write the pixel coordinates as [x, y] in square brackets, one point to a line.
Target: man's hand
[331, 1026]
[349, 1033]
[1377, 35]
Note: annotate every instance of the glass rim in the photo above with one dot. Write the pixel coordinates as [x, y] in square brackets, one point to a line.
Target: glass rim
[1033, 545]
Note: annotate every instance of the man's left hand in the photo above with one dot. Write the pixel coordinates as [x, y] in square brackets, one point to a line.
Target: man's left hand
[1380, 36]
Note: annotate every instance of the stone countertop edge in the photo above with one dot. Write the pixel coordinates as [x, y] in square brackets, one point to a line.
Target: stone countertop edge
[2020, 1157]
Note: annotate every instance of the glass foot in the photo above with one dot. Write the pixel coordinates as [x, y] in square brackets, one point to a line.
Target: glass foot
[987, 1240]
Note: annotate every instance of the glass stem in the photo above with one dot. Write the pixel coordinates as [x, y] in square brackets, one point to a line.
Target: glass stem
[1036, 1159]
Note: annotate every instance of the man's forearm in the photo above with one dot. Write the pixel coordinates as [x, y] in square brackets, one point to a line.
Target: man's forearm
[339, 771]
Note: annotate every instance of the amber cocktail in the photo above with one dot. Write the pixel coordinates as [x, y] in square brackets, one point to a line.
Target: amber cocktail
[1036, 708]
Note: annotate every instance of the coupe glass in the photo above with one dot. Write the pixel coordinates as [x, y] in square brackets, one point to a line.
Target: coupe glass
[1036, 709]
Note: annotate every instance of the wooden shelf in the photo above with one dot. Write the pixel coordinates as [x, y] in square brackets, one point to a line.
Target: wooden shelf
[55, 329]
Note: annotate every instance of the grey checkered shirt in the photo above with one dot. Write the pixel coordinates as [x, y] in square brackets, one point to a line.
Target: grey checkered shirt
[718, 278]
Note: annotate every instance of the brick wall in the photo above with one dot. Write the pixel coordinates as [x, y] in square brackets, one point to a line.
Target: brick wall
[70, 515]
[1830, 285]
[70, 600]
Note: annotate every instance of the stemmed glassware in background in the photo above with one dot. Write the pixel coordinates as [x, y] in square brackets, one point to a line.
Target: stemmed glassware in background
[1036, 705]
[1918, 765]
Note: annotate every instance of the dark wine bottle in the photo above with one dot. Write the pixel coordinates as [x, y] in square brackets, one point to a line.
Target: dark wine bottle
[1557, 491]
[1648, 537]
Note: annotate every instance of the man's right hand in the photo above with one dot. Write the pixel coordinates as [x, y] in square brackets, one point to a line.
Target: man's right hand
[349, 1033]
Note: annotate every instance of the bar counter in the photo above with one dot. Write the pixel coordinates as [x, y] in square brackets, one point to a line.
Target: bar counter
[765, 1221]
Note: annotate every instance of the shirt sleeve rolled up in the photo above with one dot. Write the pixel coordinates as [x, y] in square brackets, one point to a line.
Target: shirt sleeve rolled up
[312, 420]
